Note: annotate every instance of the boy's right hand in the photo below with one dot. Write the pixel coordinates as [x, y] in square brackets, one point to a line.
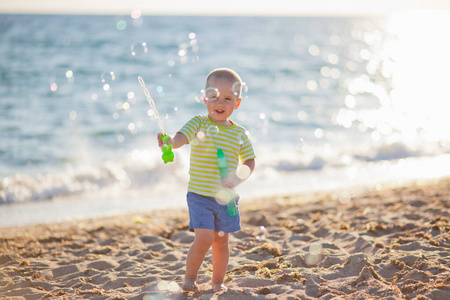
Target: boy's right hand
[161, 142]
[176, 141]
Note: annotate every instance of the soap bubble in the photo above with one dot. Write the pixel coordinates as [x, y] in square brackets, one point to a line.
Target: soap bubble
[221, 233]
[212, 130]
[139, 49]
[163, 285]
[201, 135]
[171, 112]
[243, 172]
[210, 94]
[224, 196]
[108, 77]
[188, 47]
[121, 25]
[345, 197]
[173, 287]
[312, 259]
[236, 88]
[239, 89]
[261, 234]
[314, 254]
[315, 248]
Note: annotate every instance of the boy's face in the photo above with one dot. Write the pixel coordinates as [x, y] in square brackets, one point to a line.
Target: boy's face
[220, 100]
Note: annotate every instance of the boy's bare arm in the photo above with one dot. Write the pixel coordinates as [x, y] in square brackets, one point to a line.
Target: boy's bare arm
[176, 141]
[179, 140]
[233, 180]
[250, 163]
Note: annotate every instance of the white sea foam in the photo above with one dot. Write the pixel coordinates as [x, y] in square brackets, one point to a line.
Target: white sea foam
[143, 171]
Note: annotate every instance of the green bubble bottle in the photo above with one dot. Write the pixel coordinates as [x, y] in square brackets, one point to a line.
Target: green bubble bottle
[223, 169]
[167, 155]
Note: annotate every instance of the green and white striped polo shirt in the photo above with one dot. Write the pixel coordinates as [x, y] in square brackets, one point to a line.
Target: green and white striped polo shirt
[205, 138]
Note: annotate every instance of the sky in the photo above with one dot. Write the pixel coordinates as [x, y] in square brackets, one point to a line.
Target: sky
[212, 7]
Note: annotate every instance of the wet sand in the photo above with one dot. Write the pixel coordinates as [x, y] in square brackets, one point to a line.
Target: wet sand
[364, 243]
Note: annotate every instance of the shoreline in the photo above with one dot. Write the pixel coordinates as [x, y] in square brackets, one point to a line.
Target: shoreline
[82, 207]
[358, 243]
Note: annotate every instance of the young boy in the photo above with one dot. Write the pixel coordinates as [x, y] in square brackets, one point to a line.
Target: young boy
[209, 219]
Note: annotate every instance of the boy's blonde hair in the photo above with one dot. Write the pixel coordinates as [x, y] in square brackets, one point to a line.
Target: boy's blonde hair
[227, 74]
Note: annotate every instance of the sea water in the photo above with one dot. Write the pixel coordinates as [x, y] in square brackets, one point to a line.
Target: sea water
[328, 103]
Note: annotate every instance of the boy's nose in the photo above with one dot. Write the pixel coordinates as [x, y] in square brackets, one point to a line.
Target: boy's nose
[220, 100]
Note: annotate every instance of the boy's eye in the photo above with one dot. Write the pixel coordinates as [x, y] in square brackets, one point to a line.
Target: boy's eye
[211, 94]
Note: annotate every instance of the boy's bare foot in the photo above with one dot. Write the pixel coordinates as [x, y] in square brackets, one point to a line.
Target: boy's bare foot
[218, 287]
[189, 285]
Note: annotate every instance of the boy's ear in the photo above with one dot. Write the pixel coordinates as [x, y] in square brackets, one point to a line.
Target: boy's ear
[204, 100]
[238, 102]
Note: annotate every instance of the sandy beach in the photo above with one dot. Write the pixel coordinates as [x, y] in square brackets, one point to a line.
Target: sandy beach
[367, 243]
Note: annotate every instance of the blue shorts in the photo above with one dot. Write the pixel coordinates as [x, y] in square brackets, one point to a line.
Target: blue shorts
[206, 213]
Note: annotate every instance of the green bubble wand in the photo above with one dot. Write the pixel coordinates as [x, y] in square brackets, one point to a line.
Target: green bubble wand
[167, 155]
[227, 194]
[223, 169]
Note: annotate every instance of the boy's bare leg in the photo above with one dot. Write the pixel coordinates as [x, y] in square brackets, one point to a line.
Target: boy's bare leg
[202, 243]
[220, 257]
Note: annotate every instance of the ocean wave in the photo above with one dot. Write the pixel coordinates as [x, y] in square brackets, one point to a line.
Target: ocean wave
[317, 158]
[391, 151]
[143, 170]
[115, 177]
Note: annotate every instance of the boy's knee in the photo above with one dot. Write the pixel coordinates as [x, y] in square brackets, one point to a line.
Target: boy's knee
[204, 240]
[221, 241]
[203, 244]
